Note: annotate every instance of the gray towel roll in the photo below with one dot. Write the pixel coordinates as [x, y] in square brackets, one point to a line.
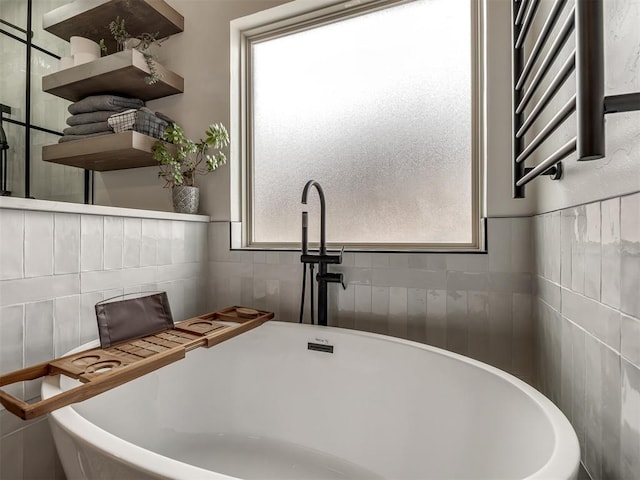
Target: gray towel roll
[88, 128]
[70, 138]
[91, 117]
[96, 103]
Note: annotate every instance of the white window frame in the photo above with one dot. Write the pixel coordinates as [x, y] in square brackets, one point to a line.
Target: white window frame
[301, 14]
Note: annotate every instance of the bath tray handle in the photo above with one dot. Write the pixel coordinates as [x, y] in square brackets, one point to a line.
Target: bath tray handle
[104, 369]
[100, 384]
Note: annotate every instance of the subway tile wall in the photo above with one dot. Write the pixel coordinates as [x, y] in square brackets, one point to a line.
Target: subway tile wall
[587, 310]
[54, 267]
[475, 304]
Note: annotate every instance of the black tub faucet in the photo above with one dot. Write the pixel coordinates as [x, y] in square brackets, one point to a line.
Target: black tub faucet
[322, 258]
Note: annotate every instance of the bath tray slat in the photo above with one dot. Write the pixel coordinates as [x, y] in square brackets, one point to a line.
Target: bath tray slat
[100, 370]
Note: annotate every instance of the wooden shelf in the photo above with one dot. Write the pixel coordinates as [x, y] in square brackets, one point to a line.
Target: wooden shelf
[90, 19]
[116, 151]
[121, 73]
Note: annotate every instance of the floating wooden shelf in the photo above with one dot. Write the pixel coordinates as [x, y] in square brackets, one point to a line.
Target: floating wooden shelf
[90, 19]
[116, 151]
[100, 370]
[122, 73]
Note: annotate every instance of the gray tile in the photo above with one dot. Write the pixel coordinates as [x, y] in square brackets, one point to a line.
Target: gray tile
[457, 322]
[578, 392]
[630, 266]
[66, 318]
[553, 251]
[66, 243]
[467, 281]
[611, 254]
[548, 292]
[630, 339]
[594, 404]
[38, 244]
[380, 309]
[578, 241]
[499, 244]
[347, 307]
[91, 242]
[566, 246]
[132, 242]
[12, 241]
[437, 318]
[611, 404]
[598, 319]
[630, 421]
[523, 336]
[501, 329]
[566, 369]
[521, 244]
[12, 344]
[416, 314]
[40, 459]
[592, 252]
[510, 282]
[479, 327]
[362, 303]
[11, 456]
[149, 238]
[398, 312]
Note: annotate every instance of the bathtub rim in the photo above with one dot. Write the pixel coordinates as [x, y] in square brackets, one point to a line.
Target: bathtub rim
[564, 460]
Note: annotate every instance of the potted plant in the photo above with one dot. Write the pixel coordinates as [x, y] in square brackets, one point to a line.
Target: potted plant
[142, 43]
[180, 164]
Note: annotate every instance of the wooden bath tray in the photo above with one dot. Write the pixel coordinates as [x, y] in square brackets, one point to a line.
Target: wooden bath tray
[100, 370]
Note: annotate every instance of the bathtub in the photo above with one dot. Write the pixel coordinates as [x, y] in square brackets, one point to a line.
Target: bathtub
[276, 403]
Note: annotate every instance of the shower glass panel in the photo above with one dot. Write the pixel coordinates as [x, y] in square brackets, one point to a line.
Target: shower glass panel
[378, 109]
[15, 158]
[43, 38]
[47, 111]
[50, 181]
[13, 74]
[39, 121]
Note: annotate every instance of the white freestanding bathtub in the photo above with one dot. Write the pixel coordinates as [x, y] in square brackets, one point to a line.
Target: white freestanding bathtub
[263, 405]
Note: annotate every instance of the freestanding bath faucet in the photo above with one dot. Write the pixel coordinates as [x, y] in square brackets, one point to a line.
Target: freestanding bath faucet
[322, 258]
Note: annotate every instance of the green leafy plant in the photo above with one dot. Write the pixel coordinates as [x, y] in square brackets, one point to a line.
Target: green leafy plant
[180, 166]
[145, 41]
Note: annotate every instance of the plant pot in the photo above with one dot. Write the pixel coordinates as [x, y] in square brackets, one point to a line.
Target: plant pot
[185, 199]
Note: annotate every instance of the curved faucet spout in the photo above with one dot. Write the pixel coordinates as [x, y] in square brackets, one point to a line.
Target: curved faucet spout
[305, 193]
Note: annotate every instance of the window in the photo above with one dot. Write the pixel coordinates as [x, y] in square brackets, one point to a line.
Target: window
[31, 118]
[377, 104]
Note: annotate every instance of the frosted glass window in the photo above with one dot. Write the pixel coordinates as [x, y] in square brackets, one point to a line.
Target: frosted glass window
[378, 109]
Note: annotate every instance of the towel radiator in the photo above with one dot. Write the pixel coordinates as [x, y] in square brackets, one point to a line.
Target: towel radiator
[585, 22]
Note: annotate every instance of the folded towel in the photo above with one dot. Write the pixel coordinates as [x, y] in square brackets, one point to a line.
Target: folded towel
[70, 138]
[96, 103]
[91, 117]
[164, 117]
[88, 128]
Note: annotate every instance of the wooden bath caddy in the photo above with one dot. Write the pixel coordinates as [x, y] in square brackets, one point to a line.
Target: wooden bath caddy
[100, 369]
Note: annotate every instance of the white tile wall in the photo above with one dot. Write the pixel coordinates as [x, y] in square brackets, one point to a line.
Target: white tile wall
[38, 244]
[588, 330]
[12, 241]
[66, 244]
[54, 267]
